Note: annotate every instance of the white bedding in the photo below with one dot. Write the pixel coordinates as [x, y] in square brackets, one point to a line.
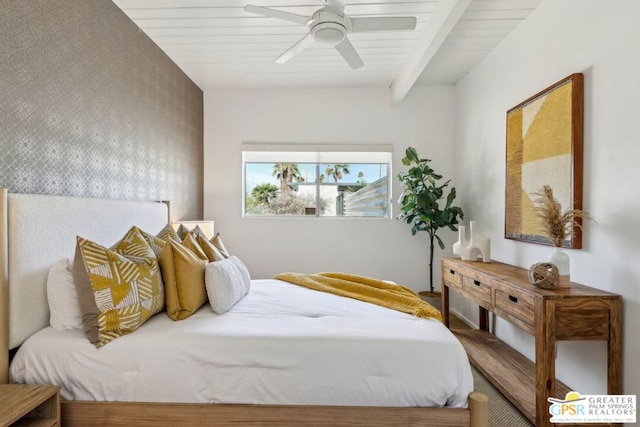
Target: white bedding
[281, 344]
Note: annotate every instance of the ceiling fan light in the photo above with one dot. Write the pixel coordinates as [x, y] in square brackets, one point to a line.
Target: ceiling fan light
[328, 33]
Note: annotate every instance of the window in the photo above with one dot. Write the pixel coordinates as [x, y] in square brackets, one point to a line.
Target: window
[316, 180]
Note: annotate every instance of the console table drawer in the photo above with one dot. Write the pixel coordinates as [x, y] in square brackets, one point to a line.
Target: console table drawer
[516, 304]
[478, 290]
[452, 277]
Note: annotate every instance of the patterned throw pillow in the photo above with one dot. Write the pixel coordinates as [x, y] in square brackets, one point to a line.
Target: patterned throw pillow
[117, 290]
[156, 243]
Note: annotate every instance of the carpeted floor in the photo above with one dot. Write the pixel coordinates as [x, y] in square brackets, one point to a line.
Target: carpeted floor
[501, 412]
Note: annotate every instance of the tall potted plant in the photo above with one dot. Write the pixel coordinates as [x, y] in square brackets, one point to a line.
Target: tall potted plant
[425, 206]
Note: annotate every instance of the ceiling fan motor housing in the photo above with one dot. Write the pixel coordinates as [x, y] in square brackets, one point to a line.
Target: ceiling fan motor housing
[329, 28]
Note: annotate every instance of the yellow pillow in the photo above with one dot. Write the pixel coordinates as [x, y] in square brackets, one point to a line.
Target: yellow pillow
[198, 230]
[183, 275]
[182, 231]
[189, 241]
[213, 254]
[168, 231]
[117, 290]
[217, 242]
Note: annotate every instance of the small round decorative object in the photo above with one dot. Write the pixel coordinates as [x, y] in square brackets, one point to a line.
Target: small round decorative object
[544, 275]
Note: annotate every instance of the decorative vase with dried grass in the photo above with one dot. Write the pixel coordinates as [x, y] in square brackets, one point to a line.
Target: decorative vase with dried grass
[558, 225]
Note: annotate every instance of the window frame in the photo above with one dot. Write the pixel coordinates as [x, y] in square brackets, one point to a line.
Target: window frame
[265, 153]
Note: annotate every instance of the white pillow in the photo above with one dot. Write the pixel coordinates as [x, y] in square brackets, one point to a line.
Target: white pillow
[64, 309]
[227, 282]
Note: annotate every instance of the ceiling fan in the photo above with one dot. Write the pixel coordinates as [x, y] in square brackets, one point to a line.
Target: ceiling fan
[329, 26]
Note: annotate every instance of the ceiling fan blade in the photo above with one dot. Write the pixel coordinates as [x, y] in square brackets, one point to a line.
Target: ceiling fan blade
[336, 5]
[273, 13]
[302, 44]
[348, 52]
[388, 23]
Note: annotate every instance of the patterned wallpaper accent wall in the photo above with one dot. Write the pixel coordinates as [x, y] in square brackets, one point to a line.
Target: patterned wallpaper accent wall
[91, 107]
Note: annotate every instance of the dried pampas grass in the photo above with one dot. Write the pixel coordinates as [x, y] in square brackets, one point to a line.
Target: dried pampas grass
[557, 224]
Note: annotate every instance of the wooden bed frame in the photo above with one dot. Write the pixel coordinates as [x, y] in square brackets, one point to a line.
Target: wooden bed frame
[83, 413]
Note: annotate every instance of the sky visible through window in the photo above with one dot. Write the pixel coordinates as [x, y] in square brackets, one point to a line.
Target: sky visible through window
[261, 173]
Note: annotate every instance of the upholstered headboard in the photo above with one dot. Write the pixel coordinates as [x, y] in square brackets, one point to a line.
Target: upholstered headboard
[42, 229]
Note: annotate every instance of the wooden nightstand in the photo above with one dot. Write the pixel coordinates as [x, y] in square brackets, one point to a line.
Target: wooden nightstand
[29, 405]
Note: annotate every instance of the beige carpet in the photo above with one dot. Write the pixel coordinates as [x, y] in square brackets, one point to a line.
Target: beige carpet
[501, 412]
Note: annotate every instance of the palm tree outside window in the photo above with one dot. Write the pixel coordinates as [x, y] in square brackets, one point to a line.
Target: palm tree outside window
[315, 184]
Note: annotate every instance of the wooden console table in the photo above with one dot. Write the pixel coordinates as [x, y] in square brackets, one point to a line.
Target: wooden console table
[576, 313]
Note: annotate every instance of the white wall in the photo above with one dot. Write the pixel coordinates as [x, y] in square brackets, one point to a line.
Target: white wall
[374, 247]
[601, 40]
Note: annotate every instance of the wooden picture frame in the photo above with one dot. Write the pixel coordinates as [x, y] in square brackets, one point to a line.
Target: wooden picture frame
[544, 147]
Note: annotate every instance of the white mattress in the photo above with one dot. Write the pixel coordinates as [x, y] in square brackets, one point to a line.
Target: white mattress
[281, 344]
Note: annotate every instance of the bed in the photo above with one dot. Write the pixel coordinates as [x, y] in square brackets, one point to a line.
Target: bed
[291, 355]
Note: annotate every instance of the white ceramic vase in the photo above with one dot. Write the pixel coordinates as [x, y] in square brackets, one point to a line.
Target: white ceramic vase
[478, 247]
[560, 259]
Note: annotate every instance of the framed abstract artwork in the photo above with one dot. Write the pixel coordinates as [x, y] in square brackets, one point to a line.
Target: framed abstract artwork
[544, 147]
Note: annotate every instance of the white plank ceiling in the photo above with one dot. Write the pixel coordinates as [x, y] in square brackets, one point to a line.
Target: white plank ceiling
[219, 45]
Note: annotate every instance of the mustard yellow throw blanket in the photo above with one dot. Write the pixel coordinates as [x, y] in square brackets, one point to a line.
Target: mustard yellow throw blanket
[365, 289]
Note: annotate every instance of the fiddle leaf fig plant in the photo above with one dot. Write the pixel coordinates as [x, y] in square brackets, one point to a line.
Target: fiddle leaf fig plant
[425, 203]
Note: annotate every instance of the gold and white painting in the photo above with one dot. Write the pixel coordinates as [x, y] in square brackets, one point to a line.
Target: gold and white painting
[544, 147]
